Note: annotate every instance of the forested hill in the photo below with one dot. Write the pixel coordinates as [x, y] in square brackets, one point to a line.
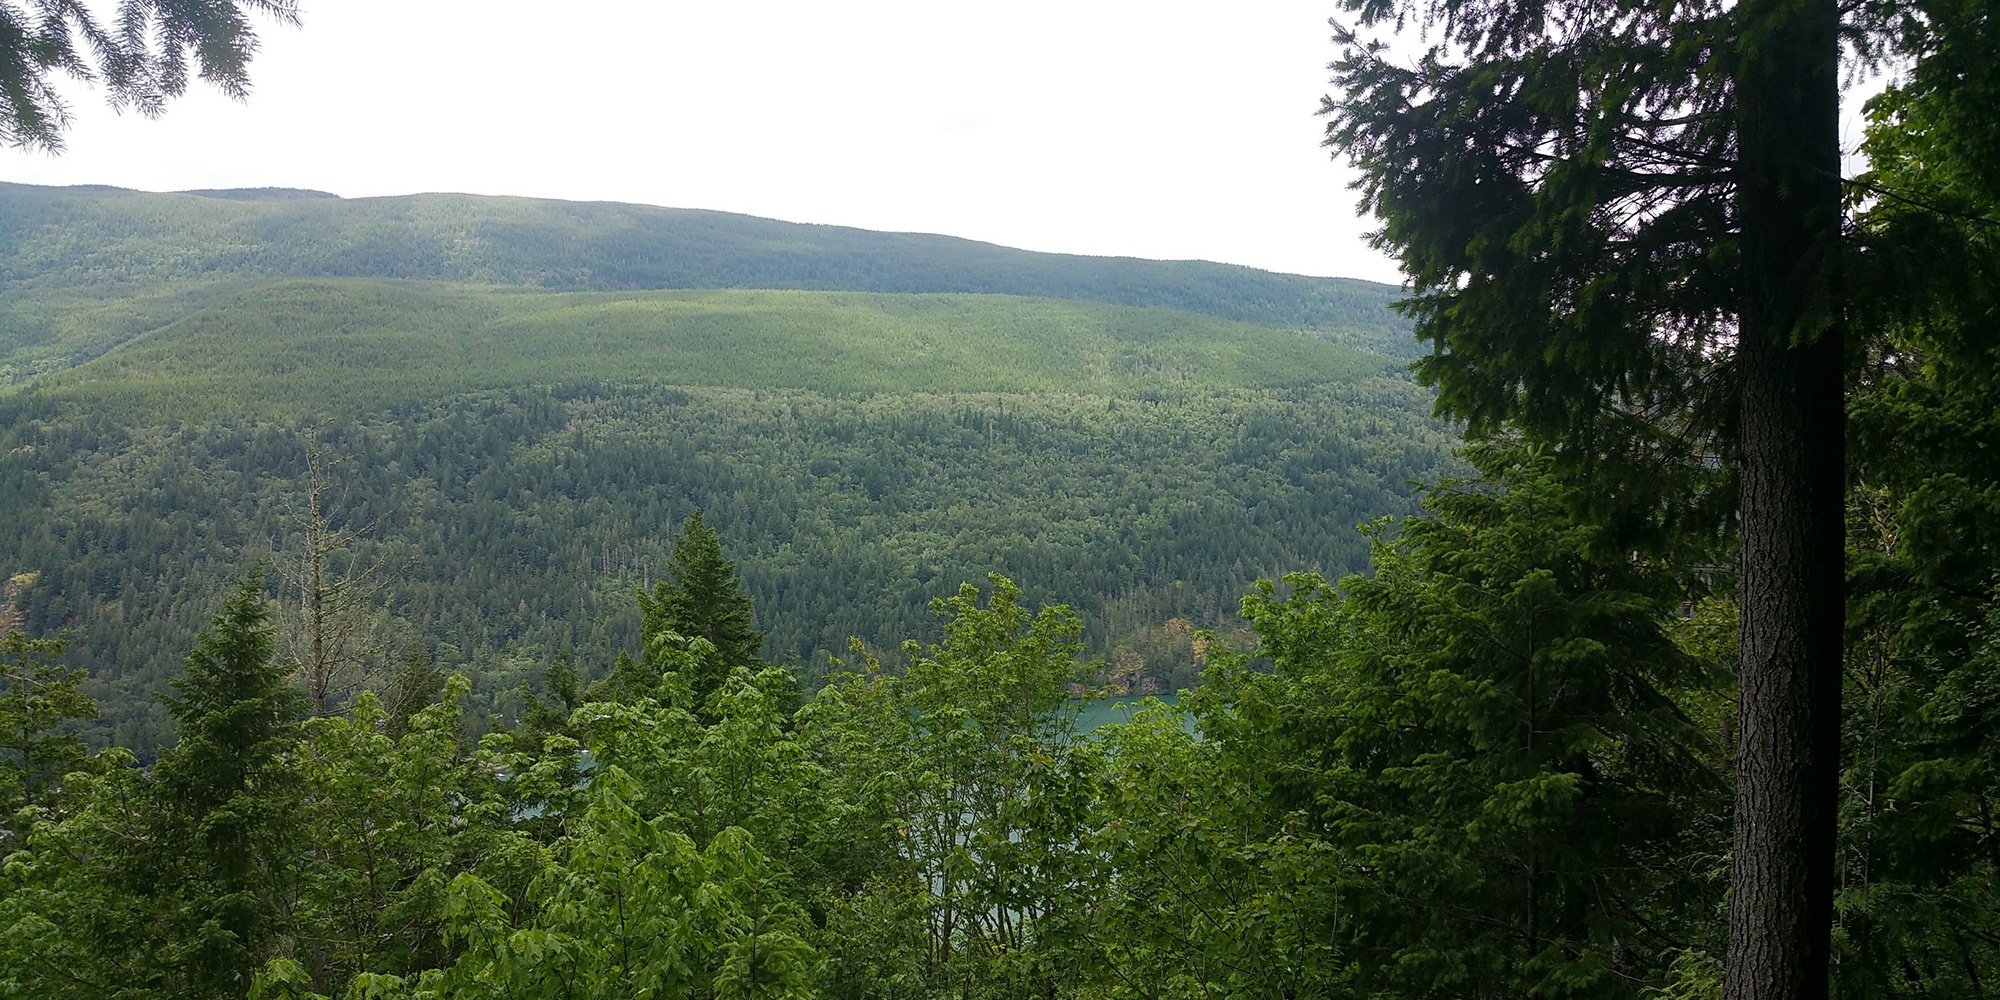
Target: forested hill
[82, 268]
[507, 453]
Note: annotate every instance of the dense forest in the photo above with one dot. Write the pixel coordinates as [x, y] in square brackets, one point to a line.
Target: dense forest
[1509, 713]
[1679, 680]
[505, 465]
[513, 405]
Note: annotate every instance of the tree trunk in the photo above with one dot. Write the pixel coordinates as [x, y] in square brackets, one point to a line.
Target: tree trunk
[1792, 429]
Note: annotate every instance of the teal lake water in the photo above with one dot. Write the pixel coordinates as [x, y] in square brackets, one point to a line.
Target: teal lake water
[1107, 711]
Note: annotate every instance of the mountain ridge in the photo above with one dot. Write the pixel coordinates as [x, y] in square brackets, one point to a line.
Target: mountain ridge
[281, 193]
[84, 268]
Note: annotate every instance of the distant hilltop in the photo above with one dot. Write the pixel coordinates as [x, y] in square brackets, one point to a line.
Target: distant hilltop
[262, 194]
[64, 248]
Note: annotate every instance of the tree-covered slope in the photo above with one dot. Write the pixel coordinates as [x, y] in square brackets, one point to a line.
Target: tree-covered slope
[512, 462]
[85, 268]
[349, 346]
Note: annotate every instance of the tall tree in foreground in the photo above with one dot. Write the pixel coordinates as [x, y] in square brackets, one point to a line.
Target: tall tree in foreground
[1791, 434]
[222, 796]
[1622, 221]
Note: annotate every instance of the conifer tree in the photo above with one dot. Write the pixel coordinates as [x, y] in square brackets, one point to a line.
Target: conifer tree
[142, 55]
[416, 684]
[222, 806]
[1920, 854]
[38, 693]
[1622, 222]
[1483, 770]
[547, 713]
[705, 599]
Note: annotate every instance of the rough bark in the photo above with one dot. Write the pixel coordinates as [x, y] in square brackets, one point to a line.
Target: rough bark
[1792, 429]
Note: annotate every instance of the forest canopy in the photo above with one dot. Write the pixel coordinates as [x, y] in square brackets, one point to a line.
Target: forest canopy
[505, 462]
[1680, 680]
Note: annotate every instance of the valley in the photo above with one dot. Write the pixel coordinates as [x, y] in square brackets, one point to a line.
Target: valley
[510, 443]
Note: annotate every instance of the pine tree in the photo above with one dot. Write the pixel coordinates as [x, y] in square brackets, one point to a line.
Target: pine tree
[1622, 221]
[415, 685]
[222, 795]
[142, 56]
[1920, 854]
[38, 694]
[1503, 794]
[705, 599]
[547, 713]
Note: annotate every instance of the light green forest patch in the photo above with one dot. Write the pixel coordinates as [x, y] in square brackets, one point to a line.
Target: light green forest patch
[352, 346]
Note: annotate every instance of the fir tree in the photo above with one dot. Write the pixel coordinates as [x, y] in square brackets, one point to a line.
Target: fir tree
[416, 684]
[1486, 734]
[222, 789]
[705, 599]
[548, 713]
[142, 56]
[1920, 851]
[38, 694]
[1622, 222]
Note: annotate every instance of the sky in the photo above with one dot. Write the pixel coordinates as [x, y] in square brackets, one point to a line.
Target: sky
[1164, 128]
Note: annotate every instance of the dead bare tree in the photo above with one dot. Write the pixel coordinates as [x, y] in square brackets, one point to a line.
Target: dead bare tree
[339, 633]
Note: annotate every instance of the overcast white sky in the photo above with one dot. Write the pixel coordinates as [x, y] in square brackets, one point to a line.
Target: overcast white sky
[1164, 128]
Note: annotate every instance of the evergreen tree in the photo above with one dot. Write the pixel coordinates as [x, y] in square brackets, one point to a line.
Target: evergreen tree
[38, 694]
[223, 794]
[1475, 763]
[1623, 225]
[548, 713]
[142, 56]
[416, 684]
[1920, 852]
[704, 599]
